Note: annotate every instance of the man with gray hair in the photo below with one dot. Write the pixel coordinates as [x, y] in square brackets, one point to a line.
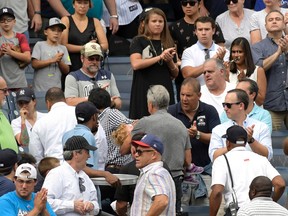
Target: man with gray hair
[70, 190]
[78, 84]
[171, 132]
[216, 87]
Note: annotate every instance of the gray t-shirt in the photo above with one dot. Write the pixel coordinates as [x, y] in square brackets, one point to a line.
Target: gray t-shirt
[79, 84]
[49, 76]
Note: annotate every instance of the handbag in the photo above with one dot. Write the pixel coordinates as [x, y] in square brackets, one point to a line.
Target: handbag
[233, 206]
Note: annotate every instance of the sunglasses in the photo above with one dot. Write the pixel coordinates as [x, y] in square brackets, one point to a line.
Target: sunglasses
[7, 19]
[140, 152]
[93, 58]
[229, 1]
[5, 90]
[229, 105]
[82, 187]
[185, 3]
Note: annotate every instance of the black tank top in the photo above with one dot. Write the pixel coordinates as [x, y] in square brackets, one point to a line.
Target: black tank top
[77, 38]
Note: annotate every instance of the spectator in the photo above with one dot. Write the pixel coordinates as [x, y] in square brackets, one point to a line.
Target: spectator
[258, 29]
[15, 51]
[173, 135]
[20, 8]
[241, 65]
[87, 119]
[152, 51]
[81, 30]
[70, 190]
[46, 137]
[79, 83]
[50, 59]
[23, 201]
[155, 186]
[22, 126]
[7, 139]
[260, 193]
[122, 137]
[124, 195]
[233, 176]
[8, 165]
[199, 119]
[270, 53]
[87, 125]
[235, 21]
[259, 136]
[253, 110]
[110, 119]
[183, 33]
[128, 12]
[65, 8]
[46, 164]
[205, 48]
[216, 87]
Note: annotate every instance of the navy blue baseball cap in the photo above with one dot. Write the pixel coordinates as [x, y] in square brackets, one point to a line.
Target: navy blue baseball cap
[150, 140]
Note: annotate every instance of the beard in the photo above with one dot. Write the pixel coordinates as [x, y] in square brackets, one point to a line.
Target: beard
[93, 68]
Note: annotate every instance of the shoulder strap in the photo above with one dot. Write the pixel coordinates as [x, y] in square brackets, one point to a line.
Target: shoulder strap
[230, 174]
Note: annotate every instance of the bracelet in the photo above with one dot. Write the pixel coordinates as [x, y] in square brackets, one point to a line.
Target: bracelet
[114, 16]
[37, 12]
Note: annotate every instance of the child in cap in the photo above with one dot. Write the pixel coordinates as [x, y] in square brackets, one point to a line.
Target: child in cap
[49, 58]
[14, 51]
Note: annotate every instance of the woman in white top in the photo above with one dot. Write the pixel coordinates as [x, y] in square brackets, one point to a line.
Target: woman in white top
[241, 65]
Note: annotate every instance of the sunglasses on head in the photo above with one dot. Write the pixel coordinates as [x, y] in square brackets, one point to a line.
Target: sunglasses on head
[185, 3]
[229, 105]
[229, 1]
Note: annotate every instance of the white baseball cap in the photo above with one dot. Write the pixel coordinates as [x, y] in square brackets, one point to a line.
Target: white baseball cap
[26, 167]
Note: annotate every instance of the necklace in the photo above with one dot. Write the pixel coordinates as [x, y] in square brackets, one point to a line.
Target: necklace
[160, 62]
[196, 107]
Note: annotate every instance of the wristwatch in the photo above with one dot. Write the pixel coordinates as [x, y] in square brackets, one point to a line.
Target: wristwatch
[198, 135]
[251, 140]
[37, 12]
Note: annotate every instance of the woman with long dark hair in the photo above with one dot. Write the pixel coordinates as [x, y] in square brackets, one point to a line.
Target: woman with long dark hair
[154, 61]
[242, 65]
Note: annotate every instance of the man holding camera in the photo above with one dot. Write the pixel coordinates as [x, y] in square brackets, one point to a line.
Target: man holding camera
[232, 175]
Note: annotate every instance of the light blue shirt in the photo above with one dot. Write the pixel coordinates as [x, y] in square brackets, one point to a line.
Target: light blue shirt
[82, 130]
[12, 204]
[261, 133]
[257, 113]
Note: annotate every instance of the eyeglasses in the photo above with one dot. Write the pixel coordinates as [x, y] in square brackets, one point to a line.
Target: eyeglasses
[229, 1]
[185, 3]
[82, 187]
[7, 19]
[140, 152]
[229, 105]
[21, 182]
[93, 58]
[5, 90]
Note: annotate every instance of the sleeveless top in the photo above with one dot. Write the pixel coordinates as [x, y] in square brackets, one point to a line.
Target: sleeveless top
[77, 38]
